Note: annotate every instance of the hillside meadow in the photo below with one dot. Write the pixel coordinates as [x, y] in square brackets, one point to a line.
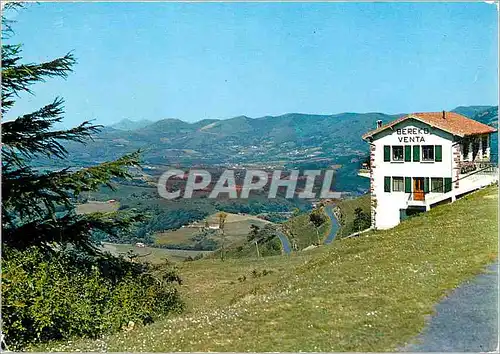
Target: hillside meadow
[370, 293]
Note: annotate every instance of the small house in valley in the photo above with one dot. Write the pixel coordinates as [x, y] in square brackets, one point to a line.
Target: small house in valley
[424, 159]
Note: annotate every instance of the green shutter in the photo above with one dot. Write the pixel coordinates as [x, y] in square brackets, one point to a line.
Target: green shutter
[416, 153]
[438, 153]
[407, 153]
[387, 184]
[447, 185]
[426, 185]
[387, 153]
[407, 184]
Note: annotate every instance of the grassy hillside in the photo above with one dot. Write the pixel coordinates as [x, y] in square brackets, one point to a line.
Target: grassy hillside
[95, 207]
[237, 228]
[152, 254]
[370, 293]
[303, 231]
[346, 210]
[299, 230]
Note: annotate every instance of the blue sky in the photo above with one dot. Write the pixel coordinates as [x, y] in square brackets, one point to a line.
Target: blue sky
[218, 60]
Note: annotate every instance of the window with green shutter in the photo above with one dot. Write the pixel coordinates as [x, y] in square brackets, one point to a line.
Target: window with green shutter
[447, 184]
[438, 153]
[387, 153]
[426, 185]
[407, 184]
[416, 153]
[407, 153]
[387, 184]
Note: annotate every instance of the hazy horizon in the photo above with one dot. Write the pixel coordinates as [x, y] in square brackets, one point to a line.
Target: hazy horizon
[195, 61]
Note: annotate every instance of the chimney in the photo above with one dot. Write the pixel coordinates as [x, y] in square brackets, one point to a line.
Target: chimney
[379, 123]
[444, 115]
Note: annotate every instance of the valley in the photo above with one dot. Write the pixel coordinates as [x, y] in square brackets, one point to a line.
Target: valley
[291, 141]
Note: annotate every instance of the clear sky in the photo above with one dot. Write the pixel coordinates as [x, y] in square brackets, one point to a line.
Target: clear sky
[218, 60]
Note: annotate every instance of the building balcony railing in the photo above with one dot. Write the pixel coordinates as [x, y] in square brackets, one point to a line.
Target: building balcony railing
[475, 176]
[480, 167]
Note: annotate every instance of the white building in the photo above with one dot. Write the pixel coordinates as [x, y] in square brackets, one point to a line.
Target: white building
[423, 159]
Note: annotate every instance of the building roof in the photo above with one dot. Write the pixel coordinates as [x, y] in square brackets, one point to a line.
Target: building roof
[452, 122]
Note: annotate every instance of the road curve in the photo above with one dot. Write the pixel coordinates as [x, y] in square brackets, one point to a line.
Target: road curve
[287, 248]
[335, 225]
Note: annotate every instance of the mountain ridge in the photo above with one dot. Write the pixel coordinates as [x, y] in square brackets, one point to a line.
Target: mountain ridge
[291, 140]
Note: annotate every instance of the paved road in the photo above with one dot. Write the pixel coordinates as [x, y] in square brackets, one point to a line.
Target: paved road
[466, 321]
[287, 248]
[335, 225]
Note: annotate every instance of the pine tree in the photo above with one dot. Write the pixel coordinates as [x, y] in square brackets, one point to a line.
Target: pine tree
[30, 197]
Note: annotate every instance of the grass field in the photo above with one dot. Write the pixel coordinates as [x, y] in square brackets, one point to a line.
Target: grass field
[151, 254]
[370, 293]
[94, 207]
[236, 229]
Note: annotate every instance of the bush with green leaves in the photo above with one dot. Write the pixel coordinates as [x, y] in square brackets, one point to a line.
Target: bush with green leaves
[65, 294]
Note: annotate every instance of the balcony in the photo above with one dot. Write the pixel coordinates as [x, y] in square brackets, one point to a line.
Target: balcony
[479, 167]
[475, 175]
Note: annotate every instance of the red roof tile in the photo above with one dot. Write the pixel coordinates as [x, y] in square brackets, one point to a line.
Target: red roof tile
[453, 123]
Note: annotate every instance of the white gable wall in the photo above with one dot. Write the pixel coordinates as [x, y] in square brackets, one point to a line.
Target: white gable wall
[387, 206]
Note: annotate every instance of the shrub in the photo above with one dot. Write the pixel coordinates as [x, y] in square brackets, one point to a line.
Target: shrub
[57, 295]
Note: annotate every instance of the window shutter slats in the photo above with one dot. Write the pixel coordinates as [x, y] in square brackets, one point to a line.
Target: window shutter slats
[447, 184]
[387, 153]
[438, 150]
[416, 153]
[426, 185]
[407, 184]
[408, 153]
[387, 184]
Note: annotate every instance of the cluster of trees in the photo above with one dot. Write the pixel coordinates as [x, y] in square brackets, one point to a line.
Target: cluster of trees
[56, 281]
[362, 220]
[318, 217]
[161, 220]
[256, 206]
[265, 240]
[205, 240]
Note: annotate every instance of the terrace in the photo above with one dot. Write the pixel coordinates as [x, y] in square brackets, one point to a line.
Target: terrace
[473, 176]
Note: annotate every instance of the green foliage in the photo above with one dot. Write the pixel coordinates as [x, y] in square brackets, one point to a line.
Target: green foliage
[362, 220]
[254, 232]
[353, 215]
[57, 296]
[302, 232]
[264, 238]
[318, 217]
[162, 220]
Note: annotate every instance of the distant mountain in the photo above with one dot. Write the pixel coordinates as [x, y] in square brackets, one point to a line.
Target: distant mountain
[128, 124]
[488, 115]
[291, 140]
[471, 111]
[242, 139]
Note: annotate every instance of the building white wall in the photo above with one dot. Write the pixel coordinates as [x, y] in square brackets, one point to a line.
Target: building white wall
[387, 205]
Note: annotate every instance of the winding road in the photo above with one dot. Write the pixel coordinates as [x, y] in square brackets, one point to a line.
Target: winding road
[287, 248]
[335, 225]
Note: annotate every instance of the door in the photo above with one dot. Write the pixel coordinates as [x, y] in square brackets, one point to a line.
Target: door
[418, 188]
